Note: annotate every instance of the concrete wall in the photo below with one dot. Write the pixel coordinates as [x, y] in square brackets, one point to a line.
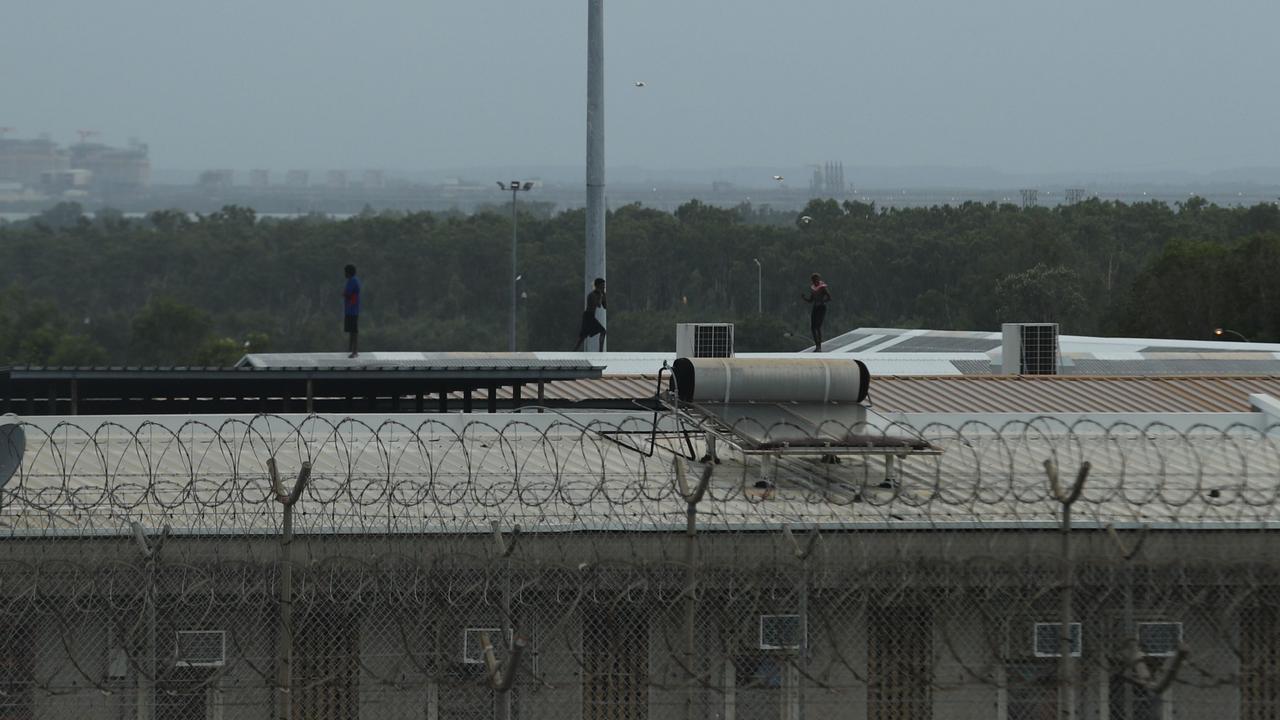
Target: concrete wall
[969, 623]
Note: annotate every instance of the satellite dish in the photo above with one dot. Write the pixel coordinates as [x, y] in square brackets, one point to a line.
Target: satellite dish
[13, 443]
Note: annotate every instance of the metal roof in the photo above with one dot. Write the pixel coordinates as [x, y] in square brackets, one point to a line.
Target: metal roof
[416, 361]
[1001, 393]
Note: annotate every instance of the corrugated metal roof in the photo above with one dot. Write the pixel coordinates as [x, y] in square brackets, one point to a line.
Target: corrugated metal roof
[1002, 393]
[415, 361]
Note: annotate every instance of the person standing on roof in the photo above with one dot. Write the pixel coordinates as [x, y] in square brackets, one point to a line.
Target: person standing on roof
[819, 296]
[590, 325]
[351, 310]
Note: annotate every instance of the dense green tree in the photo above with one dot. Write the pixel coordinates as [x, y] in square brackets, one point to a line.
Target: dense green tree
[178, 288]
[170, 332]
[1040, 294]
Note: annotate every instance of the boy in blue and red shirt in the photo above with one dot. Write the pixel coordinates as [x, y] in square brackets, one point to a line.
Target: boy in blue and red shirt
[819, 295]
[351, 309]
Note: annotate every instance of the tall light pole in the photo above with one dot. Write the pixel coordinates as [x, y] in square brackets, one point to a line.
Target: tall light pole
[515, 186]
[595, 250]
[759, 287]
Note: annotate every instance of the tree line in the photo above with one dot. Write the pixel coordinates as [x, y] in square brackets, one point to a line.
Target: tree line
[173, 288]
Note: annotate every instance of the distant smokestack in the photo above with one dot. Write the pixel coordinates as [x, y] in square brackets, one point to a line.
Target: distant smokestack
[595, 153]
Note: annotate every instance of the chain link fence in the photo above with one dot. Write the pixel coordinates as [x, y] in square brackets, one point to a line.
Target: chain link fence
[553, 566]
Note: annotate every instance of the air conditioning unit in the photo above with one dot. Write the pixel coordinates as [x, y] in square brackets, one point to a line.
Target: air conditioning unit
[781, 632]
[1045, 639]
[1030, 349]
[1159, 639]
[704, 340]
[473, 647]
[201, 648]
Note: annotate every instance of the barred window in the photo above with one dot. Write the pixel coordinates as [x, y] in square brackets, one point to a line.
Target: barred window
[615, 658]
[16, 671]
[1032, 689]
[1130, 702]
[1259, 664]
[326, 668]
[900, 664]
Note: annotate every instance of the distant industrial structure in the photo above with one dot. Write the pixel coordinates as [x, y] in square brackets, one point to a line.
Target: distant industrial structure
[297, 178]
[1030, 197]
[41, 164]
[259, 179]
[828, 180]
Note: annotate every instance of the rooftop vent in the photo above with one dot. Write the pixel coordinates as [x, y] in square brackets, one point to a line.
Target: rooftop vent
[1030, 349]
[704, 340]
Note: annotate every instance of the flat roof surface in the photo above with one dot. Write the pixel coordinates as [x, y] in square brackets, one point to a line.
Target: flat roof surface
[422, 361]
[567, 472]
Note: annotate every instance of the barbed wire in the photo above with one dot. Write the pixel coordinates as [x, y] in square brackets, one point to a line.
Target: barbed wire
[885, 580]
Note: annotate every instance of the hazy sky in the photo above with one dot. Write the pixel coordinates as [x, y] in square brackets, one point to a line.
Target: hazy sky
[1021, 86]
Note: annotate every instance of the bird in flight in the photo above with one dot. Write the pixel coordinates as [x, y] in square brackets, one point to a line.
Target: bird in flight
[779, 178]
[639, 83]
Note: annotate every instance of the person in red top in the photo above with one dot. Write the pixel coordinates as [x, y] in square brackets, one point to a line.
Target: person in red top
[351, 310]
[819, 296]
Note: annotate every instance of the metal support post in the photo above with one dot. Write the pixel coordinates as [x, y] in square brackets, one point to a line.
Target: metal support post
[284, 638]
[691, 499]
[802, 554]
[147, 682]
[595, 254]
[502, 679]
[1066, 662]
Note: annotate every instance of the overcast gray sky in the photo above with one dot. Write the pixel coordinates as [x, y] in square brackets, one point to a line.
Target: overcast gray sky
[1017, 85]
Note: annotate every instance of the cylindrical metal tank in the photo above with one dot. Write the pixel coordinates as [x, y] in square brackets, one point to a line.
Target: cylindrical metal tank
[726, 380]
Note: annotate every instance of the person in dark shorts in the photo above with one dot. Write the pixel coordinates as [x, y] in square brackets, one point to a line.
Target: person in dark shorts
[591, 327]
[351, 310]
[819, 296]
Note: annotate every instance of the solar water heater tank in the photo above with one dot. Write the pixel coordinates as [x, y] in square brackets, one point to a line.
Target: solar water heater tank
[730, 380]
[13, 443]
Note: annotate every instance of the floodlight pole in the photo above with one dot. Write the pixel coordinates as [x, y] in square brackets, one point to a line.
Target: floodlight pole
[759, 287]
[515, 187]
[595, 252]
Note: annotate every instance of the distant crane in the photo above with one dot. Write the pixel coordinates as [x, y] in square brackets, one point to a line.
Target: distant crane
[86, 134]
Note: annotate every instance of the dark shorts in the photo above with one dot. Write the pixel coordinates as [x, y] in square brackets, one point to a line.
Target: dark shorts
[351, 323]
[816, 316]
[591, 327]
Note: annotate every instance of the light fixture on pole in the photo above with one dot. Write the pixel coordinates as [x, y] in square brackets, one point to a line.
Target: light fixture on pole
[1223, 331]
[759, 287]
[515, 186]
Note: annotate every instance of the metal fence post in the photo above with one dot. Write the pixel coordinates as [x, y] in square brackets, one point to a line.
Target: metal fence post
[1066, 663]
[502, 679]
[691, 498]
[147, 682]
[284, 639]
[802, 554]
